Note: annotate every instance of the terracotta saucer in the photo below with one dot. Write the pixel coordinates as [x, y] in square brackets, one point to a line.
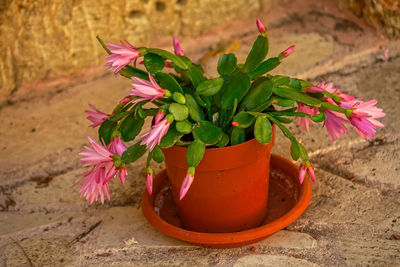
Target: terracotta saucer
[287, 201]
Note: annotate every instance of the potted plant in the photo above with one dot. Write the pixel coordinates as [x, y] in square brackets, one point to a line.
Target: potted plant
[215, 134]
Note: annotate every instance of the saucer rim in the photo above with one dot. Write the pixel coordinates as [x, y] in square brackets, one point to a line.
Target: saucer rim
[234, 239]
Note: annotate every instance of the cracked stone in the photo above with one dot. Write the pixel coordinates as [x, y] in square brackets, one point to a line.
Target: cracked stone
[272, 261]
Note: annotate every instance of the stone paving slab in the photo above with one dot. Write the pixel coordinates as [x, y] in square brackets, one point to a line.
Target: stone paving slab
[354, 215]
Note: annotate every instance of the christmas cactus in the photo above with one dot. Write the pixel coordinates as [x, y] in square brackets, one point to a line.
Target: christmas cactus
[189, 109]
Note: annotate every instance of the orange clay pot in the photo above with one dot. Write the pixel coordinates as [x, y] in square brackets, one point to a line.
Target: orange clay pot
[230, 189]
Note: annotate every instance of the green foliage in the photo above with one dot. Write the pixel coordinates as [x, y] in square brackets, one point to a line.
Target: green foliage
[265, 67]
[131, 127]
[244, 119]
[210, 87]
[133, 153]
[257, 54]
[171, 137]
[258, 95]
[207, 132]
[168, 82]
[179, 111]
[227, 64]
[238, 136]
[153, 63]
[195, 152]
[184, 127]
[263, 130]
[157, 155]
[106, 130]
[236, 88]
[194, 110]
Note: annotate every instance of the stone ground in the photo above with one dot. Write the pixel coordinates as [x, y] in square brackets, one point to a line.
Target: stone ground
[354, 215]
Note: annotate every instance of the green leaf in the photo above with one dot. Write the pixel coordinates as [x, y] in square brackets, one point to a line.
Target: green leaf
[294, 150]
[333, 107]
[157, 155]
[265, 67]
[168, 55]
[258, 95]
[194, 110]
[320, 117]
[207, 132]
[280, 80]
[257, 54]
[171, 137]
[153, 63]
[210, 87]
[223, 141]
[130, 72]
[227, 64]
[303, 152]
[184, 127]
[131, 127]
[196, 74]
[118, 116]
[195, 152]
[238, 136]
[168, 82]
[295, 84]
[106, 130]
[179, 111]
[284, 102]
[263, 130]
[133, 153]
[244, 119]
[237, 88]
[283, 119]
[296, 96]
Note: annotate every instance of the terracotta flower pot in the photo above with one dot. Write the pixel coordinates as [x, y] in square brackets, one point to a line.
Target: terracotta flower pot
[230, 188]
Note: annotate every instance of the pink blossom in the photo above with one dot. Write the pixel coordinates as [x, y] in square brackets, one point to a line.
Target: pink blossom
[187, 182]
[95, 182]
[149, 181]
[304, 121]
[96, 116]
[116, 146]
[177, 47]
[322, 86]
[302, 172]
[145, 90]
[260, 26]
[126, 99]
[364, 117]
[334, 124]
[121, 55]
[160, 115]
[157, 132]
[288, 51]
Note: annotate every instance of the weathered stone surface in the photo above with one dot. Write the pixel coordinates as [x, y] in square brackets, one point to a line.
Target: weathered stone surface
[382, 14]
[44, 40]
[289, 239]
[272, 261]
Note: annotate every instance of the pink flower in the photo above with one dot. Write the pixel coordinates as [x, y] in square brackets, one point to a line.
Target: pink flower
[187, 182]
[145, 90]
[149, 180]
[302, 172]
[126, 99]
[321, 87]
[177, 47]
[116, 146]
[334, 124]
[364, 117]
[96, 116]
[157, 132]
[160, 115]
[304, 121]
[260, 26]
[288, 51]
[95, 182]
[121, 55]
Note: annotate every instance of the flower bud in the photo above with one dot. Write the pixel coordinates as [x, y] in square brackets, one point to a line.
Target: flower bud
[260, 26]
[235, 124]
[179, 98]
[288, 51]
